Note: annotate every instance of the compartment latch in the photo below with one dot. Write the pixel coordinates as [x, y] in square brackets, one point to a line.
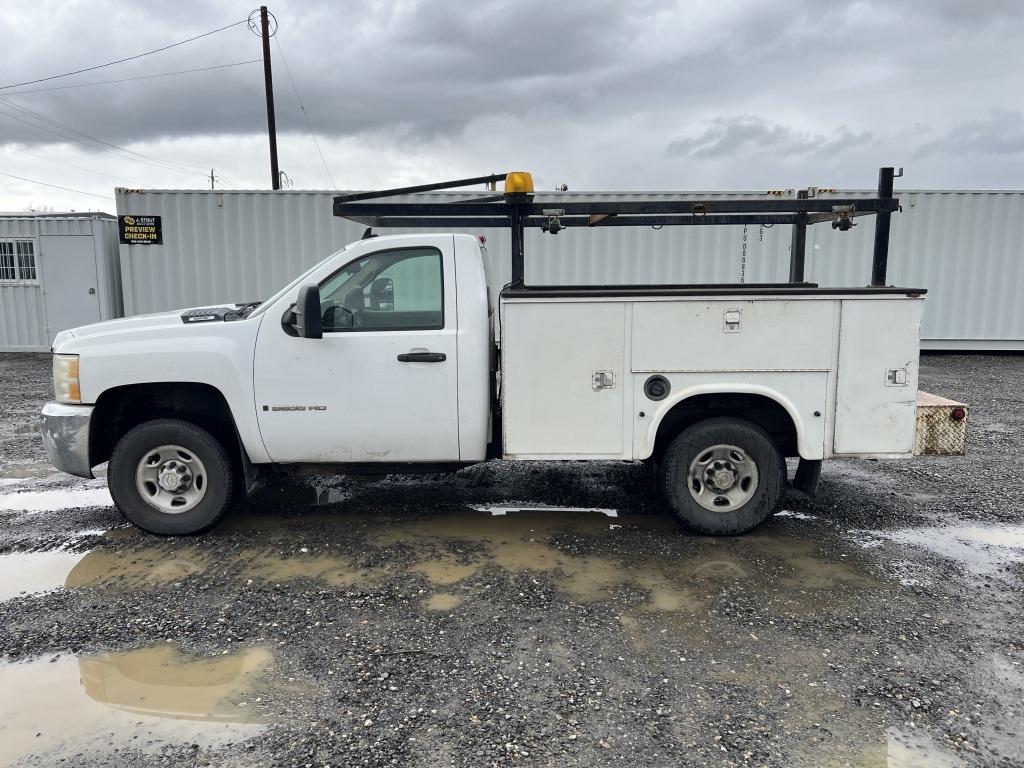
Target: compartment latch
[603, 380]
[896, 377]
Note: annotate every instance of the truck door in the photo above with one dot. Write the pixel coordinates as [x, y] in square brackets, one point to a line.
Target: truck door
[381, 385]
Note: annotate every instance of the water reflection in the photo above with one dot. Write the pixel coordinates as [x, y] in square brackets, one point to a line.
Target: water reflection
[141, 699]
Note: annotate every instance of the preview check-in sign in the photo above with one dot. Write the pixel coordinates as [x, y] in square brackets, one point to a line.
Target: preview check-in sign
[140, 230]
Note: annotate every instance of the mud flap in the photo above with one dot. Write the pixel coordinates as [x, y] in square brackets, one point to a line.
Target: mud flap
[250, 474]
[808, 473]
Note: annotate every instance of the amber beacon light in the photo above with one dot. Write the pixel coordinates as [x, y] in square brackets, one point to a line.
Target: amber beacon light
[518, 183]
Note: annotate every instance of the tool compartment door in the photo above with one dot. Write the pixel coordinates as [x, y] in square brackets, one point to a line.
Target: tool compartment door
[552, 407]
[876, 396]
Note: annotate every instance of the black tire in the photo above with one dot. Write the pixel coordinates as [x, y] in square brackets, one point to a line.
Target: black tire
[697, 439]
[221, 480]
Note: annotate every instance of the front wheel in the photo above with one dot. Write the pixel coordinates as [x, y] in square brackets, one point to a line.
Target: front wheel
[171, 477]
[721, 476]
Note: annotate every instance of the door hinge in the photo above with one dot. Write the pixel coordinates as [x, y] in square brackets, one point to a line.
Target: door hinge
[603, 380]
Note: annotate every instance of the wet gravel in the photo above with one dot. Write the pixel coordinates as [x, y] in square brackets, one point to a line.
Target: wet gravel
[820, 639]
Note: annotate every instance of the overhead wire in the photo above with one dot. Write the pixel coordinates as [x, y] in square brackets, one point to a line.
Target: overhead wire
[127, 79]
[298, 98]
[64, 126]
[56, 186]
[61, 162]
[121, 61]
[65, 131]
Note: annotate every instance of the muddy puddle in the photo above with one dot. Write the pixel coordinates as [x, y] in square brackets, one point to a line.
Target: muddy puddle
[23, 573]
[31, 572]
[161, 564]
[141, 699]
[894, 748]
[979, 549]
[443, 601]
[588, 556]
[54, 500]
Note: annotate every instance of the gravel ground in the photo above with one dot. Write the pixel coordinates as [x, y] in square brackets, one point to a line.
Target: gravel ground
[388, 623]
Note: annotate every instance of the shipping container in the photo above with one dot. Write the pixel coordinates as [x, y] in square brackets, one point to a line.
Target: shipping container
[963, 246]
[57, 271]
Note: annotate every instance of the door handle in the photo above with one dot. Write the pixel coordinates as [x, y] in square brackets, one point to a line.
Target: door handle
[422, 357]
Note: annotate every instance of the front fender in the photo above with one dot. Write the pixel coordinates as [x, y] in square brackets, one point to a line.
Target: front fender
[217, 354]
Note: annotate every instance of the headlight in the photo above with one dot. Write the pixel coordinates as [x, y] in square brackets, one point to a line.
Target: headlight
[65, 379]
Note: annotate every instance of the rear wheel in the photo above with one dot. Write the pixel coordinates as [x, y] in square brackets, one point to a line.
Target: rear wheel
[721, 476]
[171, 477]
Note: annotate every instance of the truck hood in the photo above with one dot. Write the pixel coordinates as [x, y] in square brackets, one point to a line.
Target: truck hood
[122, 325]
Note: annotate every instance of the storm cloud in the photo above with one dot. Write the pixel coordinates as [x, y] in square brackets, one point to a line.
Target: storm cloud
[1001, 132]
[594, 93]
[749, 134]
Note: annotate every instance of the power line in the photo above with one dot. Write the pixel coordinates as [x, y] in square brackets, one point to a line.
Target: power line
[126, 79]
[131, 155]
[63, 162]
[298, 98]
[125, 154]
[121, 61]
[39, 116]
[55, 186]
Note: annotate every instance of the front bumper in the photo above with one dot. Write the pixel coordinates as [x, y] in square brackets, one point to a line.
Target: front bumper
[66, 437]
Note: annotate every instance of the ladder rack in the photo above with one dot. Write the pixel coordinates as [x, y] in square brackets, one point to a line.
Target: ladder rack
[516, 209]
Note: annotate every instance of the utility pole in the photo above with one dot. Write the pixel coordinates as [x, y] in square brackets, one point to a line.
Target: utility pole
[268, 79]
[211, 178]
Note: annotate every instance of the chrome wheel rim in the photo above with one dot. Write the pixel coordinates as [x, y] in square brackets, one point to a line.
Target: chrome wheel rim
[171, 479]
[722, 478]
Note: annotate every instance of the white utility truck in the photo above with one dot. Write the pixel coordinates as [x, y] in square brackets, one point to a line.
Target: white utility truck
[384, 356]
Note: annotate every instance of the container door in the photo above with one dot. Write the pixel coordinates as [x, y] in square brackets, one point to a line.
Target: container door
[876, 399]
[67, 265]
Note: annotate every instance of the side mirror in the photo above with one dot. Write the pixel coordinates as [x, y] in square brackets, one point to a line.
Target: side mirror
[303, 319]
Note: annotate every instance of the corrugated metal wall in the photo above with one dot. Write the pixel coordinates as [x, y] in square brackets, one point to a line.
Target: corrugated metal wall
[22, 321]
[23, 317]
[964, 247]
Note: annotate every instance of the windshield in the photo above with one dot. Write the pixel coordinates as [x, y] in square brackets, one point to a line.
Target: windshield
[263, 307]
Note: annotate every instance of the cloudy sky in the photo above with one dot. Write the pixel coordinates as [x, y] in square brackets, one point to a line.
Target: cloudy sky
[596, 94]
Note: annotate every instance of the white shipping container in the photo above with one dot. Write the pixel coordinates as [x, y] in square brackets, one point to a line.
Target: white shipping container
[57, 271]
[963, 246]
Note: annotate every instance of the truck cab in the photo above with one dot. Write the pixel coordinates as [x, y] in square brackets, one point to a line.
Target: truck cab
[401, 370]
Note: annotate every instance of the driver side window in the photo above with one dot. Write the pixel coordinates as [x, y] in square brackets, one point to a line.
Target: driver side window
[398, 290]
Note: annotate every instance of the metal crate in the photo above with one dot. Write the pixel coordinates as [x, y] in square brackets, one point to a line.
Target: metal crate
[941, 426]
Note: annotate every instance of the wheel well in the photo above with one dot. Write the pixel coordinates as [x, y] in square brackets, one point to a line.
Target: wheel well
[761, 410]
[120, 409]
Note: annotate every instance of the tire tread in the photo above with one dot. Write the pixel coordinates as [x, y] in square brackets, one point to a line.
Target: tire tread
[698, 436]
[120, 479]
